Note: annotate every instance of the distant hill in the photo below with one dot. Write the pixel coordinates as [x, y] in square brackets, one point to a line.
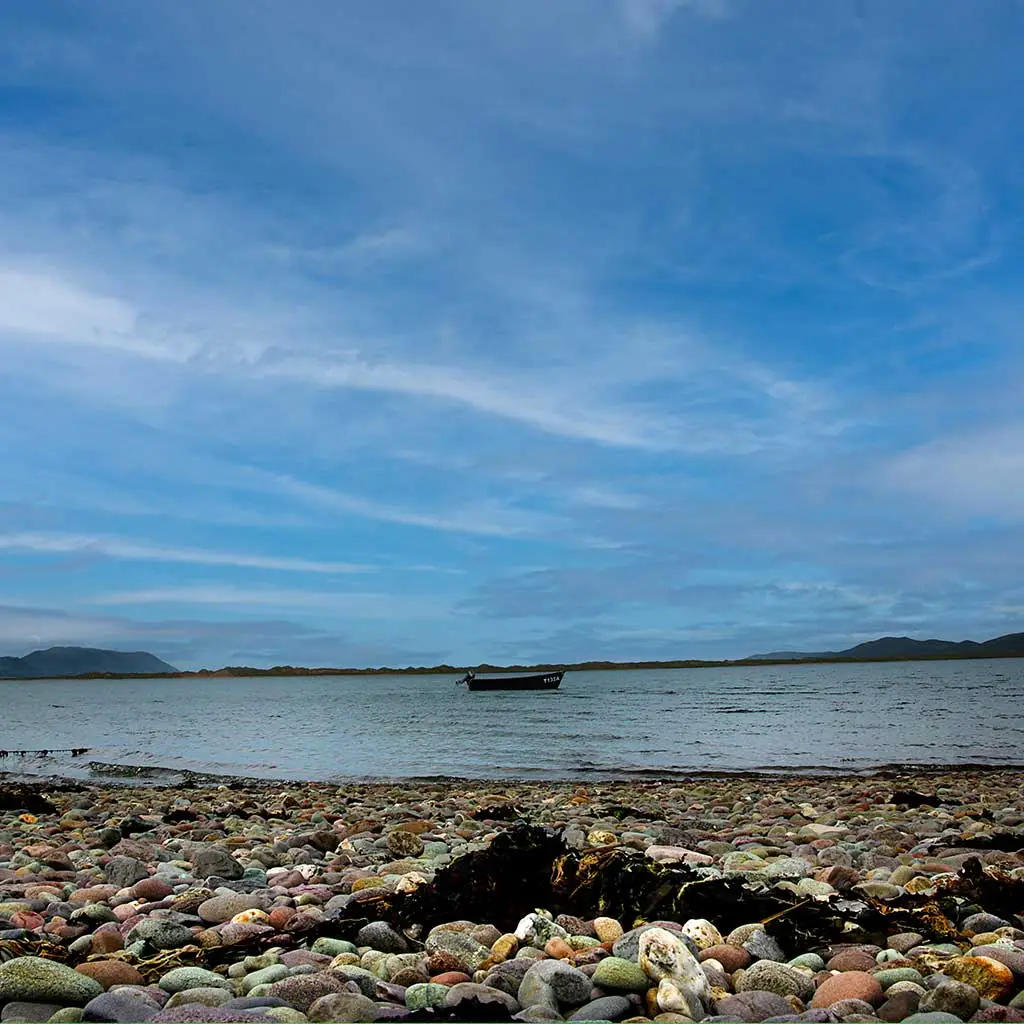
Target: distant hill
[1010, 645]
[78, 661]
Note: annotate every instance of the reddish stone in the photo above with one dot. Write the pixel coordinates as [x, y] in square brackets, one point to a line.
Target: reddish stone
[151, 890]
[111, 972]
[732, 958]
[27, 919]
[848, 985]
[93, 894]
[441, 962]
[853, 960]
[839, 877]
[106, 942]
[280, 916]
[450, 978]
[557, 949]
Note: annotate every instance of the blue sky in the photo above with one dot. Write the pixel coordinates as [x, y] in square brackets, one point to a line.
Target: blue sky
[395, 333]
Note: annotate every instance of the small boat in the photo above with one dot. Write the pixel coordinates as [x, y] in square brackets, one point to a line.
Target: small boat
[541, 681]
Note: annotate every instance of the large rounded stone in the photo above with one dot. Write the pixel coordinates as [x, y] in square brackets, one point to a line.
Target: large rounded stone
[380, 935]
[951, 997]
[122, 1006]
[553, 983]
[769, 976]
[663, 955]
[849, 985]
[219, 909]
[465, 952]
[162, 934]
[469, 997]
[216, 861]
[732, 958]
[606, 1008]
[125, 871]
[33, 979]
[420, 996]
[752, 1006]
[620, 975]
[343, 1007]
[302, 990]
[111, 972]
[989, 978]
[183, 978]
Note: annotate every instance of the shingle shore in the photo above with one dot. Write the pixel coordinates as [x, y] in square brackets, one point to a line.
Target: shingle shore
[217, 902]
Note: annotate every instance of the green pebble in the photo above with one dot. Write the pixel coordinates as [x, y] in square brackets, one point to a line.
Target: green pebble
[621, 975]
[885, 955]
[582, 941]
[264, 976]
[286, 1015]
[69, 1015]
[811, 961]
[424, 994]
[183, 978]
[332, 947]
[893, 974]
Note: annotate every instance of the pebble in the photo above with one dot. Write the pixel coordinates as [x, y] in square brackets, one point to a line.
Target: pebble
[144, 876]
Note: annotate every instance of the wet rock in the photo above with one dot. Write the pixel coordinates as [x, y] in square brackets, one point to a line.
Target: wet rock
[951, 997]
[770, 976]
[553, 983]
[989, 978]
[183, 978]
[28, 1012]
[343, 1007]
[612, 1008]
[849, 985]
[752, 1006]
[216, 861]
[33, 979]
[470, 997]
[120, 1007]
[621, 975]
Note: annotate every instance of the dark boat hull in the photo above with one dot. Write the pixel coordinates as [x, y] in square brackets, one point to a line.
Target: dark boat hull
[542, 681]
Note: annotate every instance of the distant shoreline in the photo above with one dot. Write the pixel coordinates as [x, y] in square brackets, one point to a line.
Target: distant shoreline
[246, 672]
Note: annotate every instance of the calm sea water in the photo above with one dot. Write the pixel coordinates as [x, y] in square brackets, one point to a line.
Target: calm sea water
[599, 724]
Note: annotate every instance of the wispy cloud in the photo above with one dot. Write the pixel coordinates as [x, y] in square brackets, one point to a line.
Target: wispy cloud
[354, 605]
[133, 550]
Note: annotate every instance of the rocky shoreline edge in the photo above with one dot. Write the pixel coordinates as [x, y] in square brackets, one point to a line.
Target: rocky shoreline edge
[892, 896]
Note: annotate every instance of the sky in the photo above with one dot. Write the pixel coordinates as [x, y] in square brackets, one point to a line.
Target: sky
[461, 332]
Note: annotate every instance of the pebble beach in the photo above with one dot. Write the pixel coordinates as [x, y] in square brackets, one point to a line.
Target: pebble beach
[239, 900]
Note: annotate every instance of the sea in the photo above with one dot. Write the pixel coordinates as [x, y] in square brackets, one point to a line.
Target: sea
[636, 724]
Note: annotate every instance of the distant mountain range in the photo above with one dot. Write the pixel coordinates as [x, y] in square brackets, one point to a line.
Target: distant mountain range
[80, 661]
[1009, 646]
[57, 662]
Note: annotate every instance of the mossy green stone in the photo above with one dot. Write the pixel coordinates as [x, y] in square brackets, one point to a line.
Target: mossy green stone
[204, 996]
[893, 974]
[621, 975]
[396, 962]
[811, 961]
[286, 1015]
[35, 980]
[181, 979]
[419, 997]
[70, 1015]
[582, 941]
[265, 976]
[332, 947]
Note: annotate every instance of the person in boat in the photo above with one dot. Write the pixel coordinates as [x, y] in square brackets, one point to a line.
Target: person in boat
[468, 677]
